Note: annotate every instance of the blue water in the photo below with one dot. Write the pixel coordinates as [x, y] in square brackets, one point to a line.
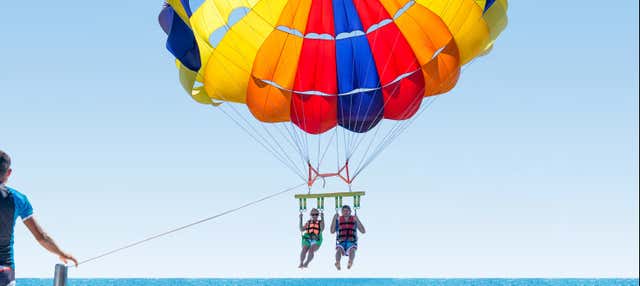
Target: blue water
[333, 282]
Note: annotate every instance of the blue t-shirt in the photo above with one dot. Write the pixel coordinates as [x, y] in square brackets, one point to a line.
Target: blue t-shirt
[13, 204]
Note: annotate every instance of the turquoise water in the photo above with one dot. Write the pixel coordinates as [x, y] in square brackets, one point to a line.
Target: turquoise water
[332, 282]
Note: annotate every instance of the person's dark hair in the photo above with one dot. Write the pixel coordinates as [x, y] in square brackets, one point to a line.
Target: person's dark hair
[346, 207]
[5, 163]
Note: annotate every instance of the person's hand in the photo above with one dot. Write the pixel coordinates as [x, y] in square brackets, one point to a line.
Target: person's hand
[300, 215]
[65, 257]
[335, 216]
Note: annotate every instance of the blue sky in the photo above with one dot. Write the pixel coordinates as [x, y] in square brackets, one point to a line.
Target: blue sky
[528, 168]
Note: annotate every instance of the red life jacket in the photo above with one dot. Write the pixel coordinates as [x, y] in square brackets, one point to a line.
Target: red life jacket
[312, 228]
[347, 229]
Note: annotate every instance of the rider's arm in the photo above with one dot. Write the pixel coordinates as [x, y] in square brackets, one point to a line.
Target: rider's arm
[360, 226]
[321, 221]
[333, 223]
[46, 241]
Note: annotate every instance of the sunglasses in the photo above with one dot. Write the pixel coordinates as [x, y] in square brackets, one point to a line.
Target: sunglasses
[314, 214]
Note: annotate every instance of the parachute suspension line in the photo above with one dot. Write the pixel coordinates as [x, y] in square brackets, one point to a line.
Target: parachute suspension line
[354, 144]
[286, 138]
[264, 143]
[283, 153]
[401, 128]
[386, 142]
[291, 165]
[390, 134]
[345, 142]
[130, 245]
[280, 153]
[347, 132]
[295, 133]
[304, 136]
[371, 143]
[386, 101]
[272, 143]
[337, 150]
[375, 134]
[319, 141]
[277, 142]
[324, 153]
[294, 137]
[264, 125]
[303, 140]
[351, 141]
[364, 155]
[366, 76]
[299, 137]
[390, 137]
[398, 129]
[289, 139]
[266, 129]
[375, 40]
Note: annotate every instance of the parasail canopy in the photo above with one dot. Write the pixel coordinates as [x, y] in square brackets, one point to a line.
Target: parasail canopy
[326, 72]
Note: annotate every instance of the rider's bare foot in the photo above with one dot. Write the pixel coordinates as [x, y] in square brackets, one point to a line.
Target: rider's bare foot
[349, 264]
[337, 265]
[301, 266]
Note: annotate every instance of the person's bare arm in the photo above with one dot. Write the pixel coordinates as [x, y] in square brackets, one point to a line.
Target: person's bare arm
[321, 222]
[360, 225]
[46, 241]
[333, 223]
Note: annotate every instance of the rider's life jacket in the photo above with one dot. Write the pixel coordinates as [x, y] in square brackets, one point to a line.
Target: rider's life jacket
[347, 229]
[312, 227]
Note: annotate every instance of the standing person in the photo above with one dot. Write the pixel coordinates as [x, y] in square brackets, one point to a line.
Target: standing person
[347, 227]
[13, 205]
[311, 236]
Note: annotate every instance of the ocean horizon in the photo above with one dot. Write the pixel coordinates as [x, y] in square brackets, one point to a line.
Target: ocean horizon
[335, 282]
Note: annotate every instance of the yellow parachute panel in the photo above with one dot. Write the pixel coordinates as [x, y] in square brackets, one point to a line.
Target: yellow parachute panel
[465, 21]
[496, 18]
[227, 72]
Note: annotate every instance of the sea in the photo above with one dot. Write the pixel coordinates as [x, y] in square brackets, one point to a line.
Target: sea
[332, 282]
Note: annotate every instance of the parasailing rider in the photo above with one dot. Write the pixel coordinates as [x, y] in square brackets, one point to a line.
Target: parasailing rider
[311, 236]
[346, 226]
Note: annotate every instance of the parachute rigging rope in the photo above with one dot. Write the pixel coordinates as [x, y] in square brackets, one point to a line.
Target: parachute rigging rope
[189, 225]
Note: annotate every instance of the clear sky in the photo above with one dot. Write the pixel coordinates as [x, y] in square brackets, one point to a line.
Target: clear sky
[528, 168]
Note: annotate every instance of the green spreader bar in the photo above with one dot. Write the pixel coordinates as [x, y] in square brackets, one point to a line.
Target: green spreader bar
[302, 199]
[329, 195]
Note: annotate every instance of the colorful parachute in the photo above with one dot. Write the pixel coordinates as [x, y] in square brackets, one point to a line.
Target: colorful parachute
[318, 64]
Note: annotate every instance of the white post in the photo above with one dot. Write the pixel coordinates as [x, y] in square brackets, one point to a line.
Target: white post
[60, 276]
